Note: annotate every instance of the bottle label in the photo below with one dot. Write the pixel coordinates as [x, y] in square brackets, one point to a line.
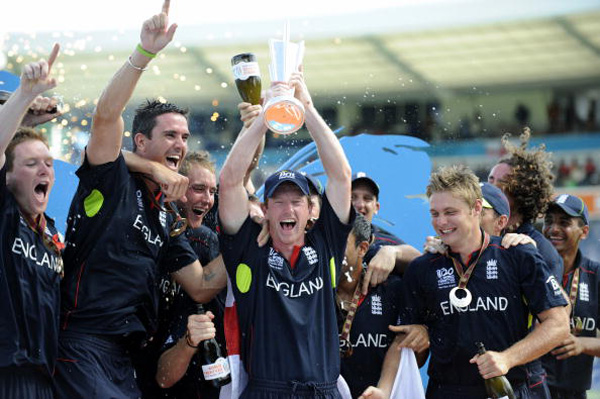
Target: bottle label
[218, 369]
[244, 70]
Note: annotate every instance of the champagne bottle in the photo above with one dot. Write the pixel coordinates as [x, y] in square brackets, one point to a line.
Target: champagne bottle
[496, 387]
[247, 77]
[215, 367]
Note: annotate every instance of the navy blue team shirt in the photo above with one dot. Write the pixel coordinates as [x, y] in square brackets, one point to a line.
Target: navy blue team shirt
[370, 336]
[29, 290]
[116, 237]
[287, 316]
[497, 315]
[575, 373]
[175, 305]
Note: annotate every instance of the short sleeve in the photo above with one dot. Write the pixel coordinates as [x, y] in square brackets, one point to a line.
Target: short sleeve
[179, 253]
[541, 289]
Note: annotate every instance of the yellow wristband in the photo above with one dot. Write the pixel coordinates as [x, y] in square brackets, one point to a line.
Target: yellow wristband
[142, 51]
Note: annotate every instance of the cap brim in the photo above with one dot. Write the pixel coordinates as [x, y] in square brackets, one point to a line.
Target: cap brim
[569, 211]
[280, 182]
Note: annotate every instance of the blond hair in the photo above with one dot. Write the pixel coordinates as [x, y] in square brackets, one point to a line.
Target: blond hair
[458, 180]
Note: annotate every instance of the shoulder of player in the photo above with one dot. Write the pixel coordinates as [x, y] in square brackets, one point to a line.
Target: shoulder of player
[590, 265]
[424, 262]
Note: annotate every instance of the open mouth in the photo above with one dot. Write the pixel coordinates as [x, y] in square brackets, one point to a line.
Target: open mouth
[173, 161]
[556, 239]
[198, 212]
[446, 231]
[41, 190]
[287, 225]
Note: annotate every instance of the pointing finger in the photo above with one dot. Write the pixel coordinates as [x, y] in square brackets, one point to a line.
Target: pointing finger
[366, 282]
[53, 55]
[165, 6]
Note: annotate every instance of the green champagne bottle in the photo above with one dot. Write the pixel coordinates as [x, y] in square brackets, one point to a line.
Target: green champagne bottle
[496, 387]
[247, 77]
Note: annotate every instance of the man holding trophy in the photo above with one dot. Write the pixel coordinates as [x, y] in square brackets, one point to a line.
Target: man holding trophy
[284, 290]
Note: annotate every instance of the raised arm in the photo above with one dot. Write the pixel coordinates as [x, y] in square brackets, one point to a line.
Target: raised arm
[388, 258]
[35, 79]
[248, 114]
[233, 198]
[331, 153]
[172, 184]
[107, 127]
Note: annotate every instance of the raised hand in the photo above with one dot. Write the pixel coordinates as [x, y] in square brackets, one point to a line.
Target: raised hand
[35, 77]
[155, 35]
[248, 113]
[300, 90]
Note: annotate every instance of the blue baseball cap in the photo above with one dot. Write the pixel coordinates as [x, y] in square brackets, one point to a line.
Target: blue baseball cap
[313, 183]
[494, 198]
[282, 176]
[572, 206]
[364, 178]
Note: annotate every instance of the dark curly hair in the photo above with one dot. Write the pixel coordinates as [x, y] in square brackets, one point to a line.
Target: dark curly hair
[530, 184]
[145, 117]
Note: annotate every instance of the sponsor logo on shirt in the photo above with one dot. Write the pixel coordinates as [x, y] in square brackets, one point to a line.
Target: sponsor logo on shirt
[275, 260]
[140, 202]
[311, 255]
[28, 251]
[584, 292]
[486, 304]
[150, 239]
[162, 217]
[555, 286]
[295, 290]
[368, 341]
[446, 278]
[376, 306]
[491, 272]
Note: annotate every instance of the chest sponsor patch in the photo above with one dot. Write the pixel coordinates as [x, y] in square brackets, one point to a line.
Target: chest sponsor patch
[162, 217]
[584, 292]
[376, 306]
[311, 255]
[139, 200]
[446, 278]
[491, 271]
[275, 260]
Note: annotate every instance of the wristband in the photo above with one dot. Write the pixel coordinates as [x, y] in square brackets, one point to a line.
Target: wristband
[145, 52]
[188, 342]
[137, 68]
